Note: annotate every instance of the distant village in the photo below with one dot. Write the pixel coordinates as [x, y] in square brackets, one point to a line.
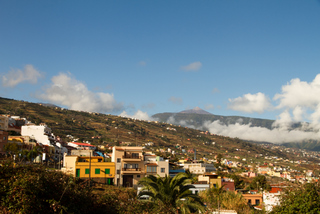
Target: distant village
[125, 164]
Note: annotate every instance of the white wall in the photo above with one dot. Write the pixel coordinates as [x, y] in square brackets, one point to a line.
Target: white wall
[37, 132]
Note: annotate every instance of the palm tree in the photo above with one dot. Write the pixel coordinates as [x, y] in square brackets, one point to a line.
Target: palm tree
[171, 194]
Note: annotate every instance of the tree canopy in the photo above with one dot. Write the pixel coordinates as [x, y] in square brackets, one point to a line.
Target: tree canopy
[171, 194]
[303, 199]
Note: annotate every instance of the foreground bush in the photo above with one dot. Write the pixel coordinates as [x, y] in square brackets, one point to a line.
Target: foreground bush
[28, 189]
[32, 189]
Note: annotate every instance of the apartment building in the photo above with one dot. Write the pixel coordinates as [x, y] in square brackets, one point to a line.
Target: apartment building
[132, 165]
[129, 165]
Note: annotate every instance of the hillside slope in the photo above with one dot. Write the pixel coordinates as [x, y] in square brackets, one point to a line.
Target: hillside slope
[110, 129]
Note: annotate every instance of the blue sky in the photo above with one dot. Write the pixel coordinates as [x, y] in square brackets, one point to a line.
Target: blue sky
[137, 58]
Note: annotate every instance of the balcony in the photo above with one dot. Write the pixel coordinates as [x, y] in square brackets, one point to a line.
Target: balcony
[131, 170]
[131, 158]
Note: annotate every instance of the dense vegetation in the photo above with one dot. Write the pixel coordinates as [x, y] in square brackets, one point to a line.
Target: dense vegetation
[35, 189]
[303, 199]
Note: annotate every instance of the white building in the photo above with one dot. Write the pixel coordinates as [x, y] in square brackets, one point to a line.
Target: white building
[199, 187]
[41, 133]
[270, 200]
[199, 168]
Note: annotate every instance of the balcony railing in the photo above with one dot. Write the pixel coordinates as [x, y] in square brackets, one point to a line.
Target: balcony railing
[131, 169]
[131, 157]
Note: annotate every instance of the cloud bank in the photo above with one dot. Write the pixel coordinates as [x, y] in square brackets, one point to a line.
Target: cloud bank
[298, 101]
[67, 91]
[14, 77]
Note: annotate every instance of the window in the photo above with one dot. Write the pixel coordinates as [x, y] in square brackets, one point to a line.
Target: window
[87, 171]
[151, 169]
[118, 171]
[118, 160]
[249, 201]
[107, 171]
[163, 170]
[257, 201]
[135, 155]
[97, 171]
[138, 176]
[196, 192]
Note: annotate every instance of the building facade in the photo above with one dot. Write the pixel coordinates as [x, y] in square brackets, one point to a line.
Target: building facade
[129, 165]
[132, 165]
[199, 168]
[88, 167]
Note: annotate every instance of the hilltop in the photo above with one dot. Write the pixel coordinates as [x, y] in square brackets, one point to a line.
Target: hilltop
[197, 116]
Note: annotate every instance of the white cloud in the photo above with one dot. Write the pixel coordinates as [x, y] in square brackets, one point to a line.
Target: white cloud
[68, 91]
[176, 100]
[195, 66]
[302, 98]
[185, 123]
[138, 115]
[246, 132]
[14, 77]
[250, 103]
[299, 93]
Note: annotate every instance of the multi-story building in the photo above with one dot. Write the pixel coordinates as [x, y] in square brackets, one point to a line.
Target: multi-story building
[217, 181]
[199, 168]
[129, 165]
[156, 165]
[44, 136]
[132, 165]
[41, 133]
[89, 167]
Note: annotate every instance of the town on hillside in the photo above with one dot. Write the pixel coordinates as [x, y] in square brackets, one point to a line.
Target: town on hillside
[125, 164]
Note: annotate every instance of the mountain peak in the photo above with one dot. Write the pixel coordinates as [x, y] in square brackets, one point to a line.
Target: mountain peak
[196, 110]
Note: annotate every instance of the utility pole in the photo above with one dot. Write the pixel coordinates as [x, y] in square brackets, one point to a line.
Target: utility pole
[90, 169]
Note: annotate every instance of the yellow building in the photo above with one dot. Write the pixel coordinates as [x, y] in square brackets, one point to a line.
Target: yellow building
[90, 167]
[213, 179]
